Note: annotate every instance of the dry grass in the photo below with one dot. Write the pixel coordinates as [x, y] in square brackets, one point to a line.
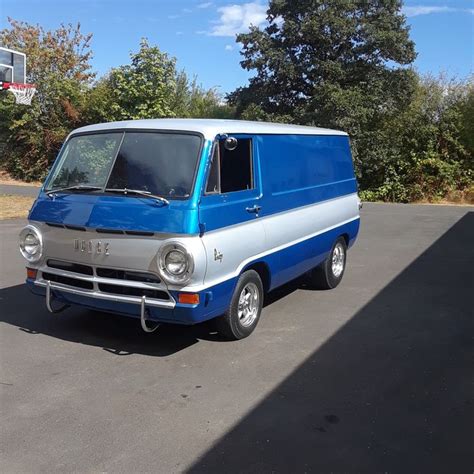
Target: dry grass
[454, 198]
[14, 206]
[5, 178]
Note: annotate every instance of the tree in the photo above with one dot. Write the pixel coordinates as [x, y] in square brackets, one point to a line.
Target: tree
[143, 89]
[151, 87]
[333, 64]
[58, 63]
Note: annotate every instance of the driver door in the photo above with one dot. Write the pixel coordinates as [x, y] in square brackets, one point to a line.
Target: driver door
[230, 207]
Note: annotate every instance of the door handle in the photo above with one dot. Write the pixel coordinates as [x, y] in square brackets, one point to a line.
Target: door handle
[255, 209]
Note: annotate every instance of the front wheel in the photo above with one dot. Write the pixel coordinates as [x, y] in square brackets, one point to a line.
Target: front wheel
[245, 308]
[328, 274]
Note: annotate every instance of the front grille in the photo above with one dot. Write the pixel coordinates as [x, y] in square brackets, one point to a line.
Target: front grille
[132, 291]
[86, 285]
[123, 279]
[127, 275]
[108, 231]
[71, 267]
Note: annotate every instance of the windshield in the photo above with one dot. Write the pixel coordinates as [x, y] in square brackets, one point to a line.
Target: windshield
[156, 162]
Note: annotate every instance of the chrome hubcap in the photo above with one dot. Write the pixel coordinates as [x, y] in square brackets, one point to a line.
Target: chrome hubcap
[247, 309]
[337, 260]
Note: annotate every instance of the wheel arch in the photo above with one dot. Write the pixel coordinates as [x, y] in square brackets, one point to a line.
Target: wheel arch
[263, 271]
[346, 237]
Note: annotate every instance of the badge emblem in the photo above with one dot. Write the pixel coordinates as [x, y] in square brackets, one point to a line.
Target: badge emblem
[218, 256]
[89, 247]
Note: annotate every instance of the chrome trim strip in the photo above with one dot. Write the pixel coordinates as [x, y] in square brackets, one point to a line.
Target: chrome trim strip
[109, 297]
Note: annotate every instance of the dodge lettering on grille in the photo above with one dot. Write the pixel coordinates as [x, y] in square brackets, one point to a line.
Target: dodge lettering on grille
[90, 247]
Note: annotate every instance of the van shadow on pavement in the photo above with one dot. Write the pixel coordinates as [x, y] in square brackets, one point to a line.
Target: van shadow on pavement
[116, 334]
[389, 392]
[119, 335]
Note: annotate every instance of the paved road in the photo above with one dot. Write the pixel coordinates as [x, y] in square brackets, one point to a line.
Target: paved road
[373, 376]
[19, 190]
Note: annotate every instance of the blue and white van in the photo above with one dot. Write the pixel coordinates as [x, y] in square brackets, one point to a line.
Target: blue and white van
[184, 220]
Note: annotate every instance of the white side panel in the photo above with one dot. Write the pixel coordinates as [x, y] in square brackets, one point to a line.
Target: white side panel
[235, 244]
[243, 243]
[306, 222]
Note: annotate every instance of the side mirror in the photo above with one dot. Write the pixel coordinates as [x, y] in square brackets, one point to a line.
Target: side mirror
[230, 143]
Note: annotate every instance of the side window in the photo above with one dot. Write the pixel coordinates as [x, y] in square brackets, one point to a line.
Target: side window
[231, 169]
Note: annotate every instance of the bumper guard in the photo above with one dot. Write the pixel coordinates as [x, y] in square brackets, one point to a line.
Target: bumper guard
[50, 287]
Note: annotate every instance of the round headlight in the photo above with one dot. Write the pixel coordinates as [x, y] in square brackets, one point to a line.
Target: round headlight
[31, 243]
[176, 264]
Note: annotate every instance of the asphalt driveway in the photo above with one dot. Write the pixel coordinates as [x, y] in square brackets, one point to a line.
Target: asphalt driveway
[374, 376]
[32, 191]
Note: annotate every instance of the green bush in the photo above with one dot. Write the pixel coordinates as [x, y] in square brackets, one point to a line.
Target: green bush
[424, 152]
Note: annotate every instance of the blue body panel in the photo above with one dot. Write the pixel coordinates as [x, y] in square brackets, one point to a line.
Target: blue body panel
[116, 212]
[289, 187]
[273, 156]
[291, 262]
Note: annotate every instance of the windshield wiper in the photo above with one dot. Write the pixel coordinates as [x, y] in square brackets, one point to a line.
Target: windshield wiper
[52, 192]
[139, 192]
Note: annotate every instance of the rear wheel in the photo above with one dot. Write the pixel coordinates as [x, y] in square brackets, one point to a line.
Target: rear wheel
[329, 273]
[245, 308]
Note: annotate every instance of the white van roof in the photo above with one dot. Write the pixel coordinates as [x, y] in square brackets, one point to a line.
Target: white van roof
[212, 127]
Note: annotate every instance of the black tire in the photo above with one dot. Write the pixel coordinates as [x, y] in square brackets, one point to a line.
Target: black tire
[230, 325]
[323, 277]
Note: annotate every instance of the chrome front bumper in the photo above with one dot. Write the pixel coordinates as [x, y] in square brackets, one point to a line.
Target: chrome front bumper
[47, 275]
[104, 296]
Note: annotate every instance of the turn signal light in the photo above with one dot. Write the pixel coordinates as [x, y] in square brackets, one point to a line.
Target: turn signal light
[188, 298]
[31, 273]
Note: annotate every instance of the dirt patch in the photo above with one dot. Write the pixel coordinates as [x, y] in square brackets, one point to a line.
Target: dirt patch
[5, 178]
[14, 206]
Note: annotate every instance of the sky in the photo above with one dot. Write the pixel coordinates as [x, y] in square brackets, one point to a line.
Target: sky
[201, 33]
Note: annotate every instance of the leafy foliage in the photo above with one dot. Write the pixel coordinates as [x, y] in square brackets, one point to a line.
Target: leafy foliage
[344, 65]
[143, 88]
[58, 63]
[429, 157]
